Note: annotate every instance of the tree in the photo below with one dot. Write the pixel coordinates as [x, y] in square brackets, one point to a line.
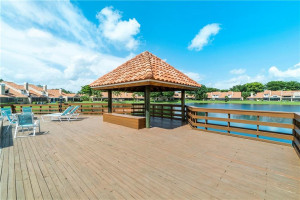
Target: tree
[238, 88]
[155, 94]
[201, 93]
[245, 95]
[276, 85]
[212, 89]
[292, 85]
[66, 91]
[226, 98]
[254, 87]
[97, 93]
[116, 93]
[84, 98]
[86, 89]
[1, 79]
[168, 94]
[224, 90]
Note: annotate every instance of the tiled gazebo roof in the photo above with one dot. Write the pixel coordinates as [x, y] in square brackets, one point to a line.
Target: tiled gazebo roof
[145, 67]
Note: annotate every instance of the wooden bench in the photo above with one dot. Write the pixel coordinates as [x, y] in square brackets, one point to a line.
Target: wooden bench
[125, 120]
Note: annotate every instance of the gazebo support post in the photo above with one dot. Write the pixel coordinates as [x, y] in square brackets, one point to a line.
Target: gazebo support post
[183, 105]
[109, 101]
[147, 105]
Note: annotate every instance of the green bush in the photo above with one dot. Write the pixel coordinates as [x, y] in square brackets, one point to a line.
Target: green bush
[226, 98]
[84, 98]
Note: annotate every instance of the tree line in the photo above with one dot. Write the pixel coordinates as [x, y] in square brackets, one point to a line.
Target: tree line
[201, 93]
[247, 88]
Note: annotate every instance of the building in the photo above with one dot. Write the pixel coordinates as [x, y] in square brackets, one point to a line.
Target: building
[269, 95]
[11, 95]
[177, 95]
[123, 96]
[11, 92]
[222, 95]
[54, 95]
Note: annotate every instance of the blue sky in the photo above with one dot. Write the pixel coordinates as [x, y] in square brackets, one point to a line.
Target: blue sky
[219, 44]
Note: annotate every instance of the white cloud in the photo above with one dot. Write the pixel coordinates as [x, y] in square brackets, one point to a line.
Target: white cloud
[238, 71]
[51, 43]
[118, 31]
[239, 80]
[204, 36]
[293, 72]
[273, 73]
[195, 76]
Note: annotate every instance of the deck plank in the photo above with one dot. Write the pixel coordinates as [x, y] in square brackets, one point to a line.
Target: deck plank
[89, 159]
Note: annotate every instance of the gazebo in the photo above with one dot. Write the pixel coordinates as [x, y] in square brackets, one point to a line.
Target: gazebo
[145, 73]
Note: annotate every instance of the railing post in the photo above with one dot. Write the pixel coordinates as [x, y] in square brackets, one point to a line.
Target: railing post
[228, 123]
[183, 105]
[60, 107]
[206, 114]
[257, 126]
[147, 106]
[13, 108]
[109, 101]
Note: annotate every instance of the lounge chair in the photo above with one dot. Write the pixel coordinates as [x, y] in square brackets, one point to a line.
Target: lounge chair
[10, 119]
[27, 110]
[73, 113]
[9, 113]
[59, 115]
[26, 120]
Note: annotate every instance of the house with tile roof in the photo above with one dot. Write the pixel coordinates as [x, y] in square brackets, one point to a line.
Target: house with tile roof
[12, 95]
[221, 95]
[11, 92]
[269, 95]
[177, 95]
[123, 96]
[55, 95]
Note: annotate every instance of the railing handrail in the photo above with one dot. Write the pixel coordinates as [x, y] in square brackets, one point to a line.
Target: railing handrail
[281, 114]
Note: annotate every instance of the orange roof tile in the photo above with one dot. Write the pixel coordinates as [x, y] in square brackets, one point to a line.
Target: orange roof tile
[35, 94]
[275, 93]
[36, 87]
[12, 84]
[12, 93]
[54, 93]
[143, 67]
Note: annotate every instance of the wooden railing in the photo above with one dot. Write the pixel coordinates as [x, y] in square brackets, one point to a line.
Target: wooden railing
[228, 122]
[296, 141]
[158, 110]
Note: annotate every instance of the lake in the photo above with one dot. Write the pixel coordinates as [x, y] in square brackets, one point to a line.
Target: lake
[283, 108]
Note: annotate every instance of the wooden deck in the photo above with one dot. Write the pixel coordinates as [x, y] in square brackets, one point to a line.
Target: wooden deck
[89, 159]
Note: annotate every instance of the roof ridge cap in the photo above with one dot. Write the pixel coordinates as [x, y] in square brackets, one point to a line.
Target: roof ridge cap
[149, 75]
